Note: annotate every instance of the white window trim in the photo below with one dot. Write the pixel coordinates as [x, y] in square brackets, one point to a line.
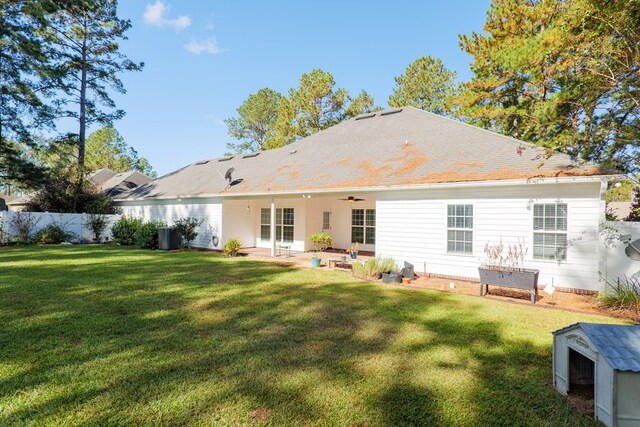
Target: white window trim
[281, 226]
[447, 229]
[365, 226]
[534, 232]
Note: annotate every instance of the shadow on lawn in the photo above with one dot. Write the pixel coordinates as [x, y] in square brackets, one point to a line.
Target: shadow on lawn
[230, 337]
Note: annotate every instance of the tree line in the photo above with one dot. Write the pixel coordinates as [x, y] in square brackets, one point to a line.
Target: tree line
[564, 75]
[59, 61]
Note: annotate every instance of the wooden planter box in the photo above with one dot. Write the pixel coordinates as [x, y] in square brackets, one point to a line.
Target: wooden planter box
[520, 279]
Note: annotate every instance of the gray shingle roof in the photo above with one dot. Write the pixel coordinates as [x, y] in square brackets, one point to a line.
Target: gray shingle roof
[393, 147]
[618, 344]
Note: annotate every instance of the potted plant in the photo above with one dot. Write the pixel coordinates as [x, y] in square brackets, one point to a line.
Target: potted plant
[321, 241]
[232, 246]
[353, 251]
[507, 269]
[97, 223]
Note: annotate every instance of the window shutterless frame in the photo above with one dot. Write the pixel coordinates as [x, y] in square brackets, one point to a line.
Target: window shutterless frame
[363, 226]
[284, 224]
[550, 231]
[460, 229]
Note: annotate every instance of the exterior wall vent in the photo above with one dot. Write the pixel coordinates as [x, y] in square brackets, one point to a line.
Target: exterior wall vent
[225, 159]
[246, 156]
[365, 116]
[386, 113]
[202, 162]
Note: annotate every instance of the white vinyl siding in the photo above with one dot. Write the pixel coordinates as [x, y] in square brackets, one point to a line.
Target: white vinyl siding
[550, 231]
[412, 227]
[460, 229]
[209, 210]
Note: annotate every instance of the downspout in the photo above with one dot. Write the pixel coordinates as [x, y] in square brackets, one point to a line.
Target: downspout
[602, 218]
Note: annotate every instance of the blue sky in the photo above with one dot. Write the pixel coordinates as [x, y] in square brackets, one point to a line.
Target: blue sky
[203, 58]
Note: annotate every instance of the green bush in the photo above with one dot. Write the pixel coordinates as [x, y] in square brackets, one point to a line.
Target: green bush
[124, 231]
[147, 235]
[624, 295]
[374, 267]
[232, 246]
[186, 228]
[52, 234]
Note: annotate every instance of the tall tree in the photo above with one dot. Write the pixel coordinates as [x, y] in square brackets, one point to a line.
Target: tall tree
[361, 104]
[560, 73]
[23, 84]
[85, 39]
[254, 128]
[313, 106]
[106, 148]
[426, 84]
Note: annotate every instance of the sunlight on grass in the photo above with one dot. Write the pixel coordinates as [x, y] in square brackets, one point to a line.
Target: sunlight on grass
[109, 335]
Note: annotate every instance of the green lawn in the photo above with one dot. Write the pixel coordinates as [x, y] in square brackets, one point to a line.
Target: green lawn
[106, 335]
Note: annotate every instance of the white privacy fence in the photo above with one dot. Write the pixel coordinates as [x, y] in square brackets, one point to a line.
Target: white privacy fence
[615, 236]
[75, 224]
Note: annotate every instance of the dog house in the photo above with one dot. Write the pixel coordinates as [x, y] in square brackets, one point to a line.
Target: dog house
[601, 363]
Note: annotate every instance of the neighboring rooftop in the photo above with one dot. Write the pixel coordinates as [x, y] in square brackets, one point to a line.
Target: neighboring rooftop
[123, 182]
[394, 147]
[108, 181]
[101, 175]
[620, 210]
[618, 344]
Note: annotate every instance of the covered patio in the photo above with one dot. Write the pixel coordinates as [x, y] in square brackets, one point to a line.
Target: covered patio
[282, 225]
[304, 258]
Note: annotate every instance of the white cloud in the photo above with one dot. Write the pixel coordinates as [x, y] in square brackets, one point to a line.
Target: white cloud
[156, 14]
[209, 45]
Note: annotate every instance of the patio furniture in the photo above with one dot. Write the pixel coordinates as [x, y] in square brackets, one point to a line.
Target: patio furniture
[284, 247]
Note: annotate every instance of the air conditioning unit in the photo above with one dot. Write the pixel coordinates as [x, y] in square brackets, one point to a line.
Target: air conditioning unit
[168, 239]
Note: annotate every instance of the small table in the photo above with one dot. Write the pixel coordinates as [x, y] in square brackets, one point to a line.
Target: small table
[286, 248]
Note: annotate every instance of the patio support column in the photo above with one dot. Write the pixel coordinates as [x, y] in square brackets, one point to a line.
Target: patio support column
[273, 227]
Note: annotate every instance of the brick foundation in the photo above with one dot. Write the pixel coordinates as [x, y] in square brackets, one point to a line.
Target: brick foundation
[475, 280]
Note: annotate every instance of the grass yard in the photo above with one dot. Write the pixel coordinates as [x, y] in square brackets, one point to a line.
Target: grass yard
[107, 335]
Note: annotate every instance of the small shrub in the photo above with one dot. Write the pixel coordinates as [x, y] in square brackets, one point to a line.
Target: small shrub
[23, 224]
[52, 234]
[186, 228]
[624, 295]
[232, 246]
[147, 236]
[124, 231]
[97, 223]
[374, 267]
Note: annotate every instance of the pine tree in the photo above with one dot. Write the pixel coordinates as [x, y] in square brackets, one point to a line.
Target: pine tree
[85, 40]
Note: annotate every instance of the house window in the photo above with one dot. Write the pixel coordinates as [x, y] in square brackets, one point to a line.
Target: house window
[265, 224]
[363, 226]
[326, 220]
[550, 231]
[284, 224]
[460, 229]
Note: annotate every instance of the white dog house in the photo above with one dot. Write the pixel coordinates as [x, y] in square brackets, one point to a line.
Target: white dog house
[603, 362]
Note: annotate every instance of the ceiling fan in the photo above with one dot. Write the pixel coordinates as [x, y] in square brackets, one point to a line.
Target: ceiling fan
[352, 199]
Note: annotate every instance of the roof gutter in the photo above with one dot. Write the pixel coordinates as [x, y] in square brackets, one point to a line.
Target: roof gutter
[411, 187]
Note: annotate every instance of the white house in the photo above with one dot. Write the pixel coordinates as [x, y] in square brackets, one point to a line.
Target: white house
[404, 183]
